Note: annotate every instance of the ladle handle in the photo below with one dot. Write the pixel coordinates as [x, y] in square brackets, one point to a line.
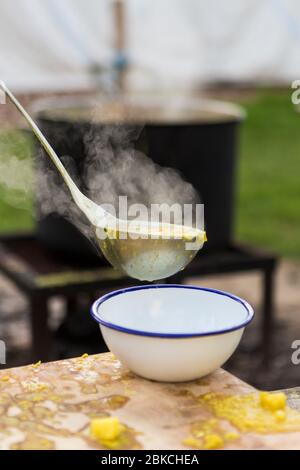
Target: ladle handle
[85, 204]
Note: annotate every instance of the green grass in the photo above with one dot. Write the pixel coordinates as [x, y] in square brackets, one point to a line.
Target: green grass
[268, 212]
[16, 207]
[268, 202]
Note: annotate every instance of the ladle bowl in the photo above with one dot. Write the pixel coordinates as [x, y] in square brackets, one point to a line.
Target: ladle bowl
[149, 255]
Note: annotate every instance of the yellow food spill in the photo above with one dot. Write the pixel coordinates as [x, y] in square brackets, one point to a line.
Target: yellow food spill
[209, 434]
[36, 365]
[191, 442]
[231, 436]
[107, 431]
[24, 404]
[280, 415]
[81, 361]
[272, 401]
[260, 413]
[255, 412]
[37, 398]
[33, 441]
[6, 378]
[34, 385]
[213, 441]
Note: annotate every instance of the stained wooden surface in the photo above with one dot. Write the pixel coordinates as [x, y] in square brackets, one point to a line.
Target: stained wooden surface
[50, 406]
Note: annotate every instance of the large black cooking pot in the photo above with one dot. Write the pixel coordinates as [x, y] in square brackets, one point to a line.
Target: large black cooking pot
[195, 136]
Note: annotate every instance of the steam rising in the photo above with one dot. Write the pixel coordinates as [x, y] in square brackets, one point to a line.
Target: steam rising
[112, 167]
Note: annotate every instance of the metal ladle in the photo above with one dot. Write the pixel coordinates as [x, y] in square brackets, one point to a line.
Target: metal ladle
[143, 250]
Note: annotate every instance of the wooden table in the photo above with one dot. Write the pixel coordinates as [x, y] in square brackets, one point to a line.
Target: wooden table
[50, 406]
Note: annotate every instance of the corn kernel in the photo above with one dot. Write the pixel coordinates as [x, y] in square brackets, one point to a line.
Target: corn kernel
[37, 398]
[106, 429]
[208, 396]
[191, 442]
[272, 401]
[24, 404]
[113, 444]
[85, 356]
[5, 378]
[280, 415]
[231, 436]
[213, 441]
[212, 422]
[37, 364]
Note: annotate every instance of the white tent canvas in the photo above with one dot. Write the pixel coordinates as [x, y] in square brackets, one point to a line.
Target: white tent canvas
[51, 44]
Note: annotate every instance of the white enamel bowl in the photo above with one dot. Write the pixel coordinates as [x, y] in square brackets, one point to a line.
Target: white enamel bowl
[172, 333]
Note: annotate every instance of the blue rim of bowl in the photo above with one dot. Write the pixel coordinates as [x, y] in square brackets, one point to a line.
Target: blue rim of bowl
[95, 312]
